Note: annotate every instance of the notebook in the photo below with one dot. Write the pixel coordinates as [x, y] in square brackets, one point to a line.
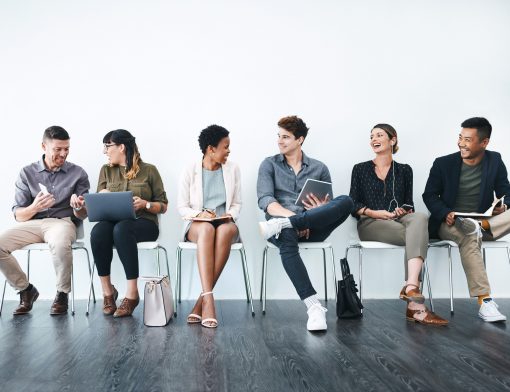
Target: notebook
[109, 206]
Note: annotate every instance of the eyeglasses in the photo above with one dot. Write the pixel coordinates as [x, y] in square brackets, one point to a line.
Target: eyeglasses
[106, 146]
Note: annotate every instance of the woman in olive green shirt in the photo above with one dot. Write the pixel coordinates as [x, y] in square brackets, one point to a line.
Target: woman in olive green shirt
[126, 171]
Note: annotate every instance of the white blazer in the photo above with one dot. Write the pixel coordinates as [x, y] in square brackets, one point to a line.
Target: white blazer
[190, 199]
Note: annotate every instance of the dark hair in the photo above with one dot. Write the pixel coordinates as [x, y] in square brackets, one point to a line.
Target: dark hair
[391, 132]
[211, 136]
[121, 136]
[55, 132]
[294, 125]
[482, 126]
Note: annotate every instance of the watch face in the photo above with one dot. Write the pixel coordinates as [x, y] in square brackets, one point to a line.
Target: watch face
[148, 206]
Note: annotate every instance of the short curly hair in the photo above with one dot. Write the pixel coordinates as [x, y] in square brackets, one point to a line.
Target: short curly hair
[211, 136]
[294, 125]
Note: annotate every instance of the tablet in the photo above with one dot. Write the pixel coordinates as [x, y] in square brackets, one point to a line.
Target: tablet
[319, 188]
[109, 206]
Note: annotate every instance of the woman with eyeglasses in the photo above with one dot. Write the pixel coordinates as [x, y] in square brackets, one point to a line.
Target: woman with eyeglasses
[382, 191]
[210, 200]
[125, 171]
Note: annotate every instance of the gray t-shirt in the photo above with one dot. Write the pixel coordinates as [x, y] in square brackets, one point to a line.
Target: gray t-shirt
[215, 197]
[68, 180]
[468, 196]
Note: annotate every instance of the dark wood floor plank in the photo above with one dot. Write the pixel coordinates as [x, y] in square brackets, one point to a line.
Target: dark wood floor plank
[381, 352]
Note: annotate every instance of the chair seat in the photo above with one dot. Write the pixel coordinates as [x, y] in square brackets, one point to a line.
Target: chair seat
[305, 245]
[374, 245]
[45, 246]
[193, 246]
[495, 244]
[147, 245]
[442, 243]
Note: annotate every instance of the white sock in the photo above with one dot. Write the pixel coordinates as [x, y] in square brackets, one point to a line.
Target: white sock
[311, 300]
[286, 223]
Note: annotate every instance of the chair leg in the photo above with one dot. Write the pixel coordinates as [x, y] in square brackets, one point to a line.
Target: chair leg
[450, 271]
[325, 276]
[91, 285]
[426, 276]
[264, 280]
[484, 259]
[28, 266]
[168, 273]
[3, 295]
[262, 274]
[508, 254]
[335, 282]
[72, 289]
[247, 284]
[360, 257]
[157, 258]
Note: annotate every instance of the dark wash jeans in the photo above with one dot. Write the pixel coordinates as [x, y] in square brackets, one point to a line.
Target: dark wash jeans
[124, 235]
[321, 221]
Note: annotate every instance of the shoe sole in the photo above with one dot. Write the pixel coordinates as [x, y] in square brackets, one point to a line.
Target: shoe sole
[262, 230]
[413, 320]
[28, 311]
[317, 329]
[493, 319]
[58, 314]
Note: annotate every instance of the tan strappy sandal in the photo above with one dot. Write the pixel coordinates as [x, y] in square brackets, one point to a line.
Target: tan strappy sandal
[209, 322]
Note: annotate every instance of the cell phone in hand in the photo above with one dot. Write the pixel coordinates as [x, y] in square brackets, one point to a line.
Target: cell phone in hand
[407, 207]
[43, 188]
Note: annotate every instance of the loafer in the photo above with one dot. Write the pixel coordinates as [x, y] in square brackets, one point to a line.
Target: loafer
[109, 305]
[126, 308]
[60, 304]
[430, 318]
[412, 295]
[26, 301]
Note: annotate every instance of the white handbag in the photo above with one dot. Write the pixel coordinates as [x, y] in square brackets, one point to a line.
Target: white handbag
[158, 304]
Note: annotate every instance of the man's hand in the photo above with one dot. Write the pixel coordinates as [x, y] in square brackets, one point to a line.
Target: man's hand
[304, 233]
[43, 201]
[313, 202]
[450, 218]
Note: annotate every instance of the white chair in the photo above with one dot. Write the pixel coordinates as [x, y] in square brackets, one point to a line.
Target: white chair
[148, 245]
[485, 245]
[43, 246]
[193, 247]
[302, 246]
[375, 245]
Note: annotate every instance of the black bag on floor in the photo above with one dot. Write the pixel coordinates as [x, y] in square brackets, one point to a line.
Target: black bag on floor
[348, 304]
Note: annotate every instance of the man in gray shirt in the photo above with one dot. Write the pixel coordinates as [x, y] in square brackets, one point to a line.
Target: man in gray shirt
[280, 180]
[48, 201]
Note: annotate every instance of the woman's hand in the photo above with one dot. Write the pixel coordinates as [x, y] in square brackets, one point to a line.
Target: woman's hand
[380, 214]
[139, 203]
[77, 202]
[206, 214]
[400, 212]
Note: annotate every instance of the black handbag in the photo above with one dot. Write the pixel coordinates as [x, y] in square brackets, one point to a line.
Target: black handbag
[348, 304]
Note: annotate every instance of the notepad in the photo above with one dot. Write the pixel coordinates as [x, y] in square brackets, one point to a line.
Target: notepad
[497, 202]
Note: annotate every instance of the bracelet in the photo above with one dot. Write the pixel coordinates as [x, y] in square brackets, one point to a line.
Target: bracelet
[77, 209]
[363, 212]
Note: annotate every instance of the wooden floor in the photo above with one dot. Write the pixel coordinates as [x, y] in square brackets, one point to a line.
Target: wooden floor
[381, 352]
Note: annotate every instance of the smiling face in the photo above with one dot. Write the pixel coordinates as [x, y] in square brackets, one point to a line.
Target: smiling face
[287, 142]
[220, 153]
[470, 145]
[55, 153]
[381, 142]
[116, 153]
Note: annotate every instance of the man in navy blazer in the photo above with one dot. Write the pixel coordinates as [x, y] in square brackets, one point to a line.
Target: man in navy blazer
[469, 181]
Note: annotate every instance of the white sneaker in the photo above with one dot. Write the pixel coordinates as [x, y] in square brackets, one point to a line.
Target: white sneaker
[316, 318]
[468, 226]
[489, 311]
[272, 227]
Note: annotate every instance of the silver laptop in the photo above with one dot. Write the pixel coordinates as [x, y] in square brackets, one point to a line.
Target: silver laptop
[109, 206]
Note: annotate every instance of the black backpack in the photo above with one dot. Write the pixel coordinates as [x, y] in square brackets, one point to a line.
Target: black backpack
[348, 304]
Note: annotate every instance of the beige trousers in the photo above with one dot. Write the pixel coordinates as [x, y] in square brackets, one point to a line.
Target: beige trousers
[410, 231]
[58, 233]
[470, 249]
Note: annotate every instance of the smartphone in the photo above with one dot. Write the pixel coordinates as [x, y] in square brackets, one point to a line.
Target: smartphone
[407, 207]
[43, 188]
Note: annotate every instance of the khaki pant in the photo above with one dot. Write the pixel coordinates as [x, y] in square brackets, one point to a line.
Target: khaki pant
[410, 231]
[470, 249]
[58, 233]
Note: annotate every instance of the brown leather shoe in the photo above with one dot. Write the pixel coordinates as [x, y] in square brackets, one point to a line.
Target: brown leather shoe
[430, 318]
[412, 295]
[26, 300]
[109, 305]
[59, 305]
[126, 308]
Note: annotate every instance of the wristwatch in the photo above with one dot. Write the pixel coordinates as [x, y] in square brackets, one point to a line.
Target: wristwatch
[148, 205]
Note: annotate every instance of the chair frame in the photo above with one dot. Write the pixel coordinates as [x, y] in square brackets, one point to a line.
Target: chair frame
[239, 246]
[302, 246]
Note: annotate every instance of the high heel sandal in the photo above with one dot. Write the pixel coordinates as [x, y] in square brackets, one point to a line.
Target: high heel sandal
[209, 322]
[194, 318]
[413, 295]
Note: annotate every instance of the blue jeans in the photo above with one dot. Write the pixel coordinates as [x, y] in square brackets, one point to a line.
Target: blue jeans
[321, 221]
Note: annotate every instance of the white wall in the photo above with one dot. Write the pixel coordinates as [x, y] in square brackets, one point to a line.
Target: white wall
[165, 70]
